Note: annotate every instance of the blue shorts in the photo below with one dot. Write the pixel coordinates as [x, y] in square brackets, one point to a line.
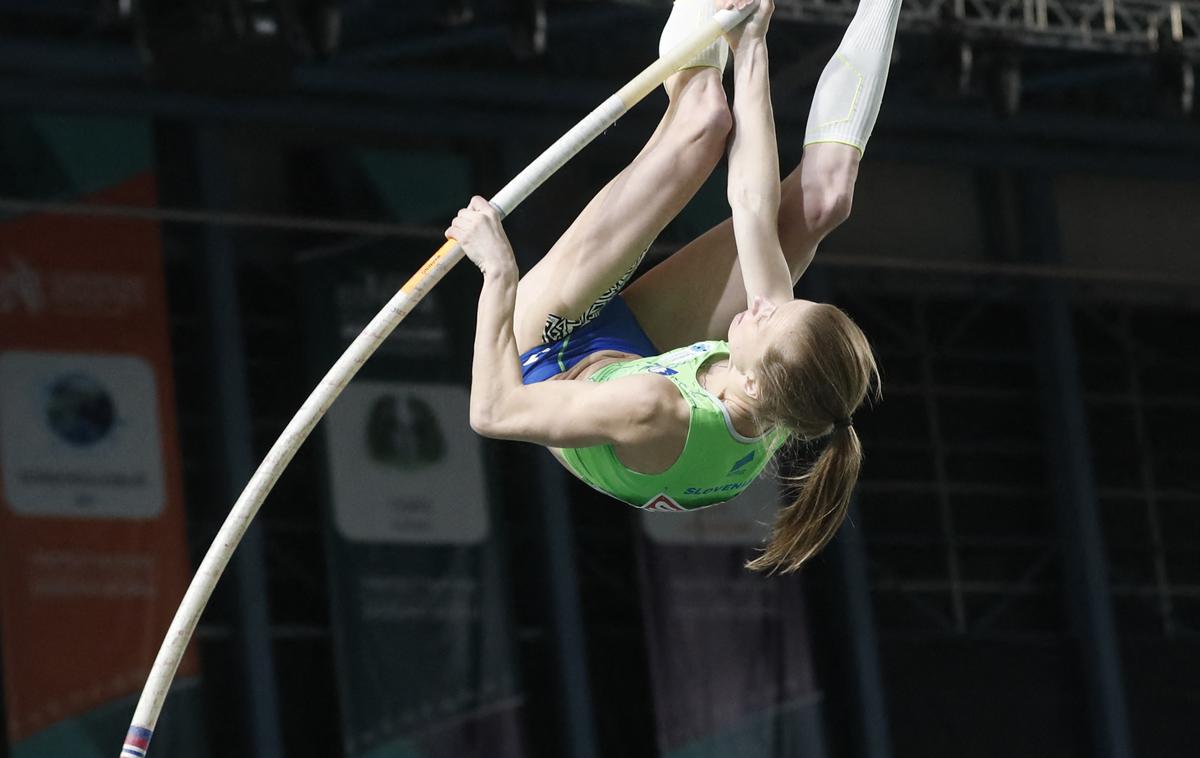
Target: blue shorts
[615, 328]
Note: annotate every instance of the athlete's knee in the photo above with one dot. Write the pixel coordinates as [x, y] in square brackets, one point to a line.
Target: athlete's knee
[822, 196]
[703, 115]
[827, 206]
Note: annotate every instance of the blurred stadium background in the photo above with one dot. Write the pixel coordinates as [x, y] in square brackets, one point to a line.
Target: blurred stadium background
[204, 200]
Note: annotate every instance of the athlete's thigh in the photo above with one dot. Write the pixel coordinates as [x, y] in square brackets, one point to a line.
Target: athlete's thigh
[572, 275]
[684, 298]
[694, 294]
[609, 237]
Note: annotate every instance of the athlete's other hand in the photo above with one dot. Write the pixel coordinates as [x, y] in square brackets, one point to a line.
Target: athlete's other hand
[478, 230]
[754, 27]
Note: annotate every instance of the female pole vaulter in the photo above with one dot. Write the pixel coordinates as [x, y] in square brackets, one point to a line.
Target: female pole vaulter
[674, 394]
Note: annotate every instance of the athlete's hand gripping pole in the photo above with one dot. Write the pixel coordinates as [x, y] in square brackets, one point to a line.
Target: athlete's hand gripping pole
[150, 704]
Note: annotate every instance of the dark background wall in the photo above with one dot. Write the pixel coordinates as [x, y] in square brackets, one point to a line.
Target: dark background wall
[977, 232]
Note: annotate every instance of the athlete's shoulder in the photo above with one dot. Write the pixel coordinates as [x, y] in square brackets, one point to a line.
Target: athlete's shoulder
[651, 398]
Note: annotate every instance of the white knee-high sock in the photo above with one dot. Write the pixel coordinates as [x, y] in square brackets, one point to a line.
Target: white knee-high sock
[686, 15]
[850, 89]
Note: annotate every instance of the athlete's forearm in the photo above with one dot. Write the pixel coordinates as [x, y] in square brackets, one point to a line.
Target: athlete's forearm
[753, 156]
[754, 176]
[495, 373]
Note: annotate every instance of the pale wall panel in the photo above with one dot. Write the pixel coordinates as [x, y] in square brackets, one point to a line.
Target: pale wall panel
[1139, 224]
[912, 211]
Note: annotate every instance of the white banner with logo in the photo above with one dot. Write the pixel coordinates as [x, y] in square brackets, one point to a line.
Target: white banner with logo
[395, 477]
[423, 638]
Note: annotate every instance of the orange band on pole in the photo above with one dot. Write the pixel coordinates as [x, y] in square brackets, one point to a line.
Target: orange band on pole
[414, 282]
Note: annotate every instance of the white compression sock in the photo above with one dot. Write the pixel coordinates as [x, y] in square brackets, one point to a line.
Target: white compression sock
[850, 90]
[686, 15]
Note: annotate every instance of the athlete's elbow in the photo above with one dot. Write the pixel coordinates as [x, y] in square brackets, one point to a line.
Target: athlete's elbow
[484, 421]
[500, 423]
[480, 425]
[502, 414]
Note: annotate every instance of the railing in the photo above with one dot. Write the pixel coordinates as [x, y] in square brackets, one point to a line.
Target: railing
[1117, 26]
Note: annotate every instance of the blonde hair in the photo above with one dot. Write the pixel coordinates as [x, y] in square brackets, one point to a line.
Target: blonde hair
[811, 389]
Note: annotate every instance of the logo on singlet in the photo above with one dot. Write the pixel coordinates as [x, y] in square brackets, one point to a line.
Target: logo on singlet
[536, 357]
[661, 371]
[662, 502]
[749, 457]
[682, 354]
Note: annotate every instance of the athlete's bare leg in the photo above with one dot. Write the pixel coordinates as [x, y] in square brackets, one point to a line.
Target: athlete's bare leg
[617, 226]
[694, 294]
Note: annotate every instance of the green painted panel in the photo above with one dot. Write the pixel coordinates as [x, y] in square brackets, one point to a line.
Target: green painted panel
[100, 732]
[96, 152]
[419, 187]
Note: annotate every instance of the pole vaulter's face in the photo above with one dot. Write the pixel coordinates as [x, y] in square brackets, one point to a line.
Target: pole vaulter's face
[765, 323]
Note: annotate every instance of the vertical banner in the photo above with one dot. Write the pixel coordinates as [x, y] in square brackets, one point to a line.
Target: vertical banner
[93, 556]
[423, 639]
[729, 651]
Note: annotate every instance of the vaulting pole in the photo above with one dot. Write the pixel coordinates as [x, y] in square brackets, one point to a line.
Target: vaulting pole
[145, 717]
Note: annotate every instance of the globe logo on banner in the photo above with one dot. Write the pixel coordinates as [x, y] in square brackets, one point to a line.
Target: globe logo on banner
[80, 410]
[81, 435]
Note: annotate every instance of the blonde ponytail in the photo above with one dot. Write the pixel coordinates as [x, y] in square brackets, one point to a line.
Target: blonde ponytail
[810, 388]
[809, 522]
